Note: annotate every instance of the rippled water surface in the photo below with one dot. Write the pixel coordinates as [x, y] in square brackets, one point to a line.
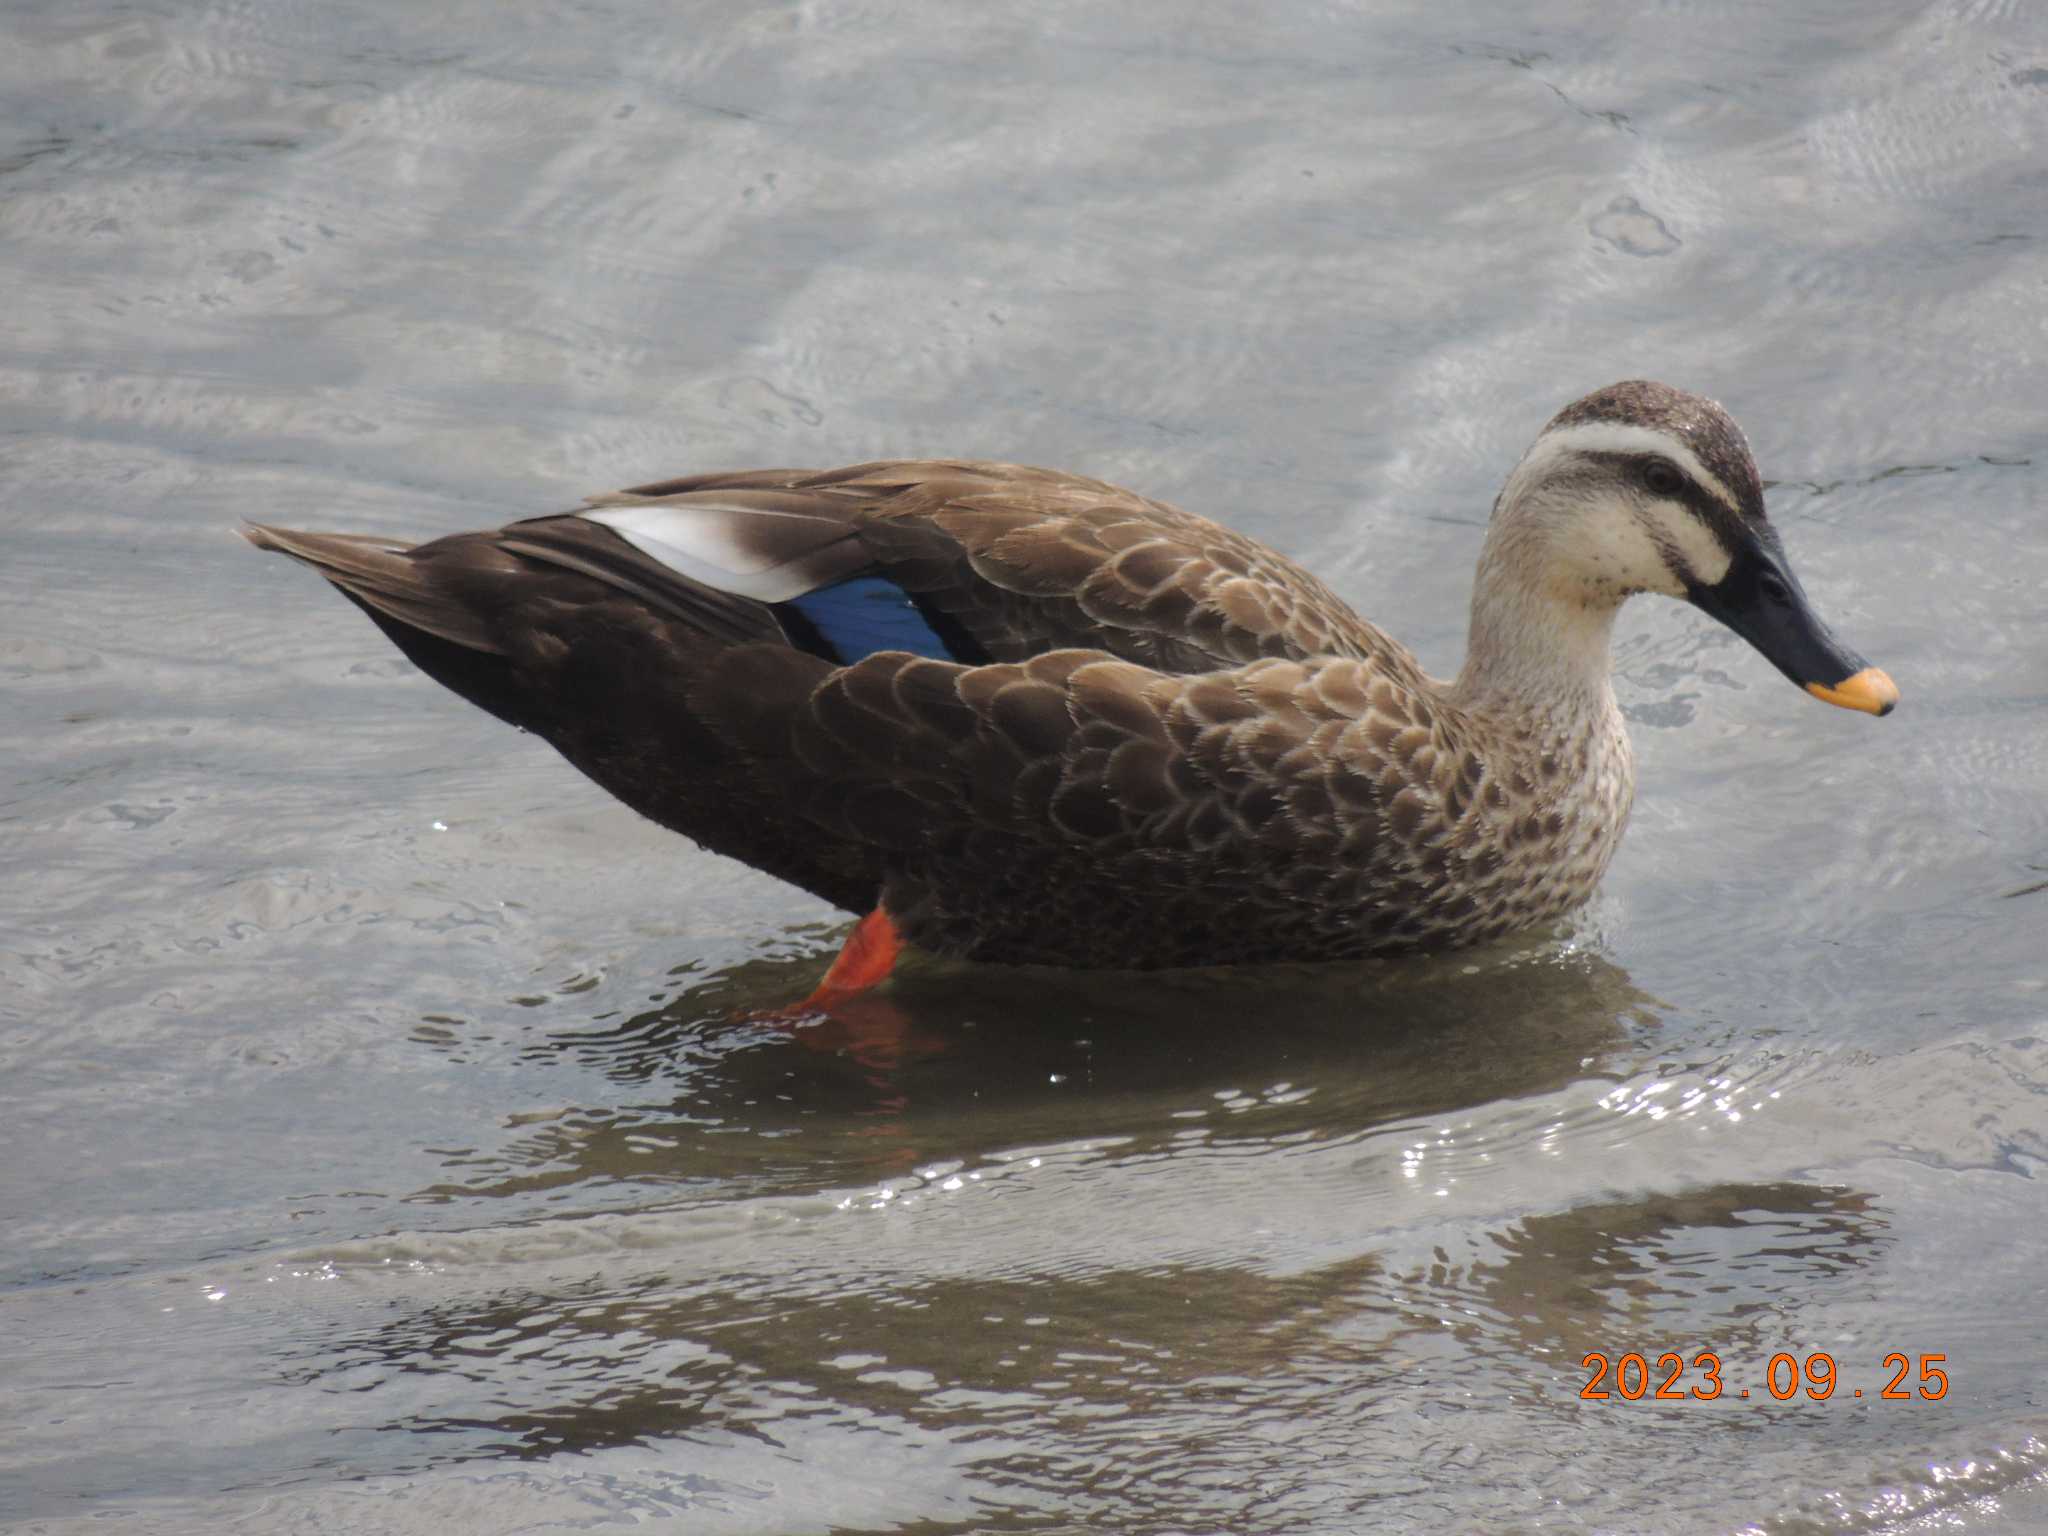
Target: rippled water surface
[392, 1139]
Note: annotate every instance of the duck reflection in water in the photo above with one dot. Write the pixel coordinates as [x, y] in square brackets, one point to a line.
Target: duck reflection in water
[956, 1062]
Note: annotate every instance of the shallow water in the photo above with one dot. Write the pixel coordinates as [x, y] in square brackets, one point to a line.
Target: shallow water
[389, 1146]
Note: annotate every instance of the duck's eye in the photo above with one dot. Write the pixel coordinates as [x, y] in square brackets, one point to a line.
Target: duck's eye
[1662, 477]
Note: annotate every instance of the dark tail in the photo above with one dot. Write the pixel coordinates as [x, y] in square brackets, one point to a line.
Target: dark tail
[438, 622]
[383, 576]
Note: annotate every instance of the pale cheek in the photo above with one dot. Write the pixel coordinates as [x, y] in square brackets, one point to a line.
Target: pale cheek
[1620, 558]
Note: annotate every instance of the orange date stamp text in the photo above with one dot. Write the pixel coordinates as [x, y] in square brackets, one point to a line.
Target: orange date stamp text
[1634, 1377]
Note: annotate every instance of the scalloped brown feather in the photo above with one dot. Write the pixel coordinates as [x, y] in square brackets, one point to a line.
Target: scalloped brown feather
[1030, 559]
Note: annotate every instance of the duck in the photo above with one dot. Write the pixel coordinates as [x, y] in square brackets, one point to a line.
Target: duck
[1021, 716]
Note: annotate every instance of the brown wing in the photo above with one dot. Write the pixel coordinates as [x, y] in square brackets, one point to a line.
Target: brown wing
[1030, 560]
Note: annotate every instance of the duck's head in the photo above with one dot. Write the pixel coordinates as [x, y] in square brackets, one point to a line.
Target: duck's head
[1643, 488]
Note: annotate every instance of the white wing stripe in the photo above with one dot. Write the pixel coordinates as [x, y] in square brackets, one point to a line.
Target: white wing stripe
[704, 543]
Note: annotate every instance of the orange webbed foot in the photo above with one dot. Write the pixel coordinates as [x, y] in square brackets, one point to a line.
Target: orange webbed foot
[868, 956]
[871, 1028]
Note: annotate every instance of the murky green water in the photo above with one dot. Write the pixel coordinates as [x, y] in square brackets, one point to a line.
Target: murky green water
[389, 1143]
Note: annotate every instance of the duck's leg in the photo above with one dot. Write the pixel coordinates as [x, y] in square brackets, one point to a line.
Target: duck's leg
[869, 955]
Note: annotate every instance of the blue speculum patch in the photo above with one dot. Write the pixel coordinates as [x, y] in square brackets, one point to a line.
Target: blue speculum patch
[865, 614]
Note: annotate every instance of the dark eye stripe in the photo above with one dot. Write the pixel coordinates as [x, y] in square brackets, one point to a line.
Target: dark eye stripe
[1727, 525]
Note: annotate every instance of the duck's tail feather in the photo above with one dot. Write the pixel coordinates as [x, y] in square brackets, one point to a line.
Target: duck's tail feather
[383, 576]
[681, 700]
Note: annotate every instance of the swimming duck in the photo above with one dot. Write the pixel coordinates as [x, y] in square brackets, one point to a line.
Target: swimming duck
[1017, 715]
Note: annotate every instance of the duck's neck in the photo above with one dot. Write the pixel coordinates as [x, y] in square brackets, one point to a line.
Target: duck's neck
[1537, 648]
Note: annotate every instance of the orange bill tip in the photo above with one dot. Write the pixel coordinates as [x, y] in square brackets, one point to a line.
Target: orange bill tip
[1869, 690]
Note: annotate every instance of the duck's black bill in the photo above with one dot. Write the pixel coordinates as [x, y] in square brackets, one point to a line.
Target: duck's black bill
[1761, 600]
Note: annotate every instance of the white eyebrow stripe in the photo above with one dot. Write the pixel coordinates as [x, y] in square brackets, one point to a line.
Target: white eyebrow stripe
[1624, 437]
